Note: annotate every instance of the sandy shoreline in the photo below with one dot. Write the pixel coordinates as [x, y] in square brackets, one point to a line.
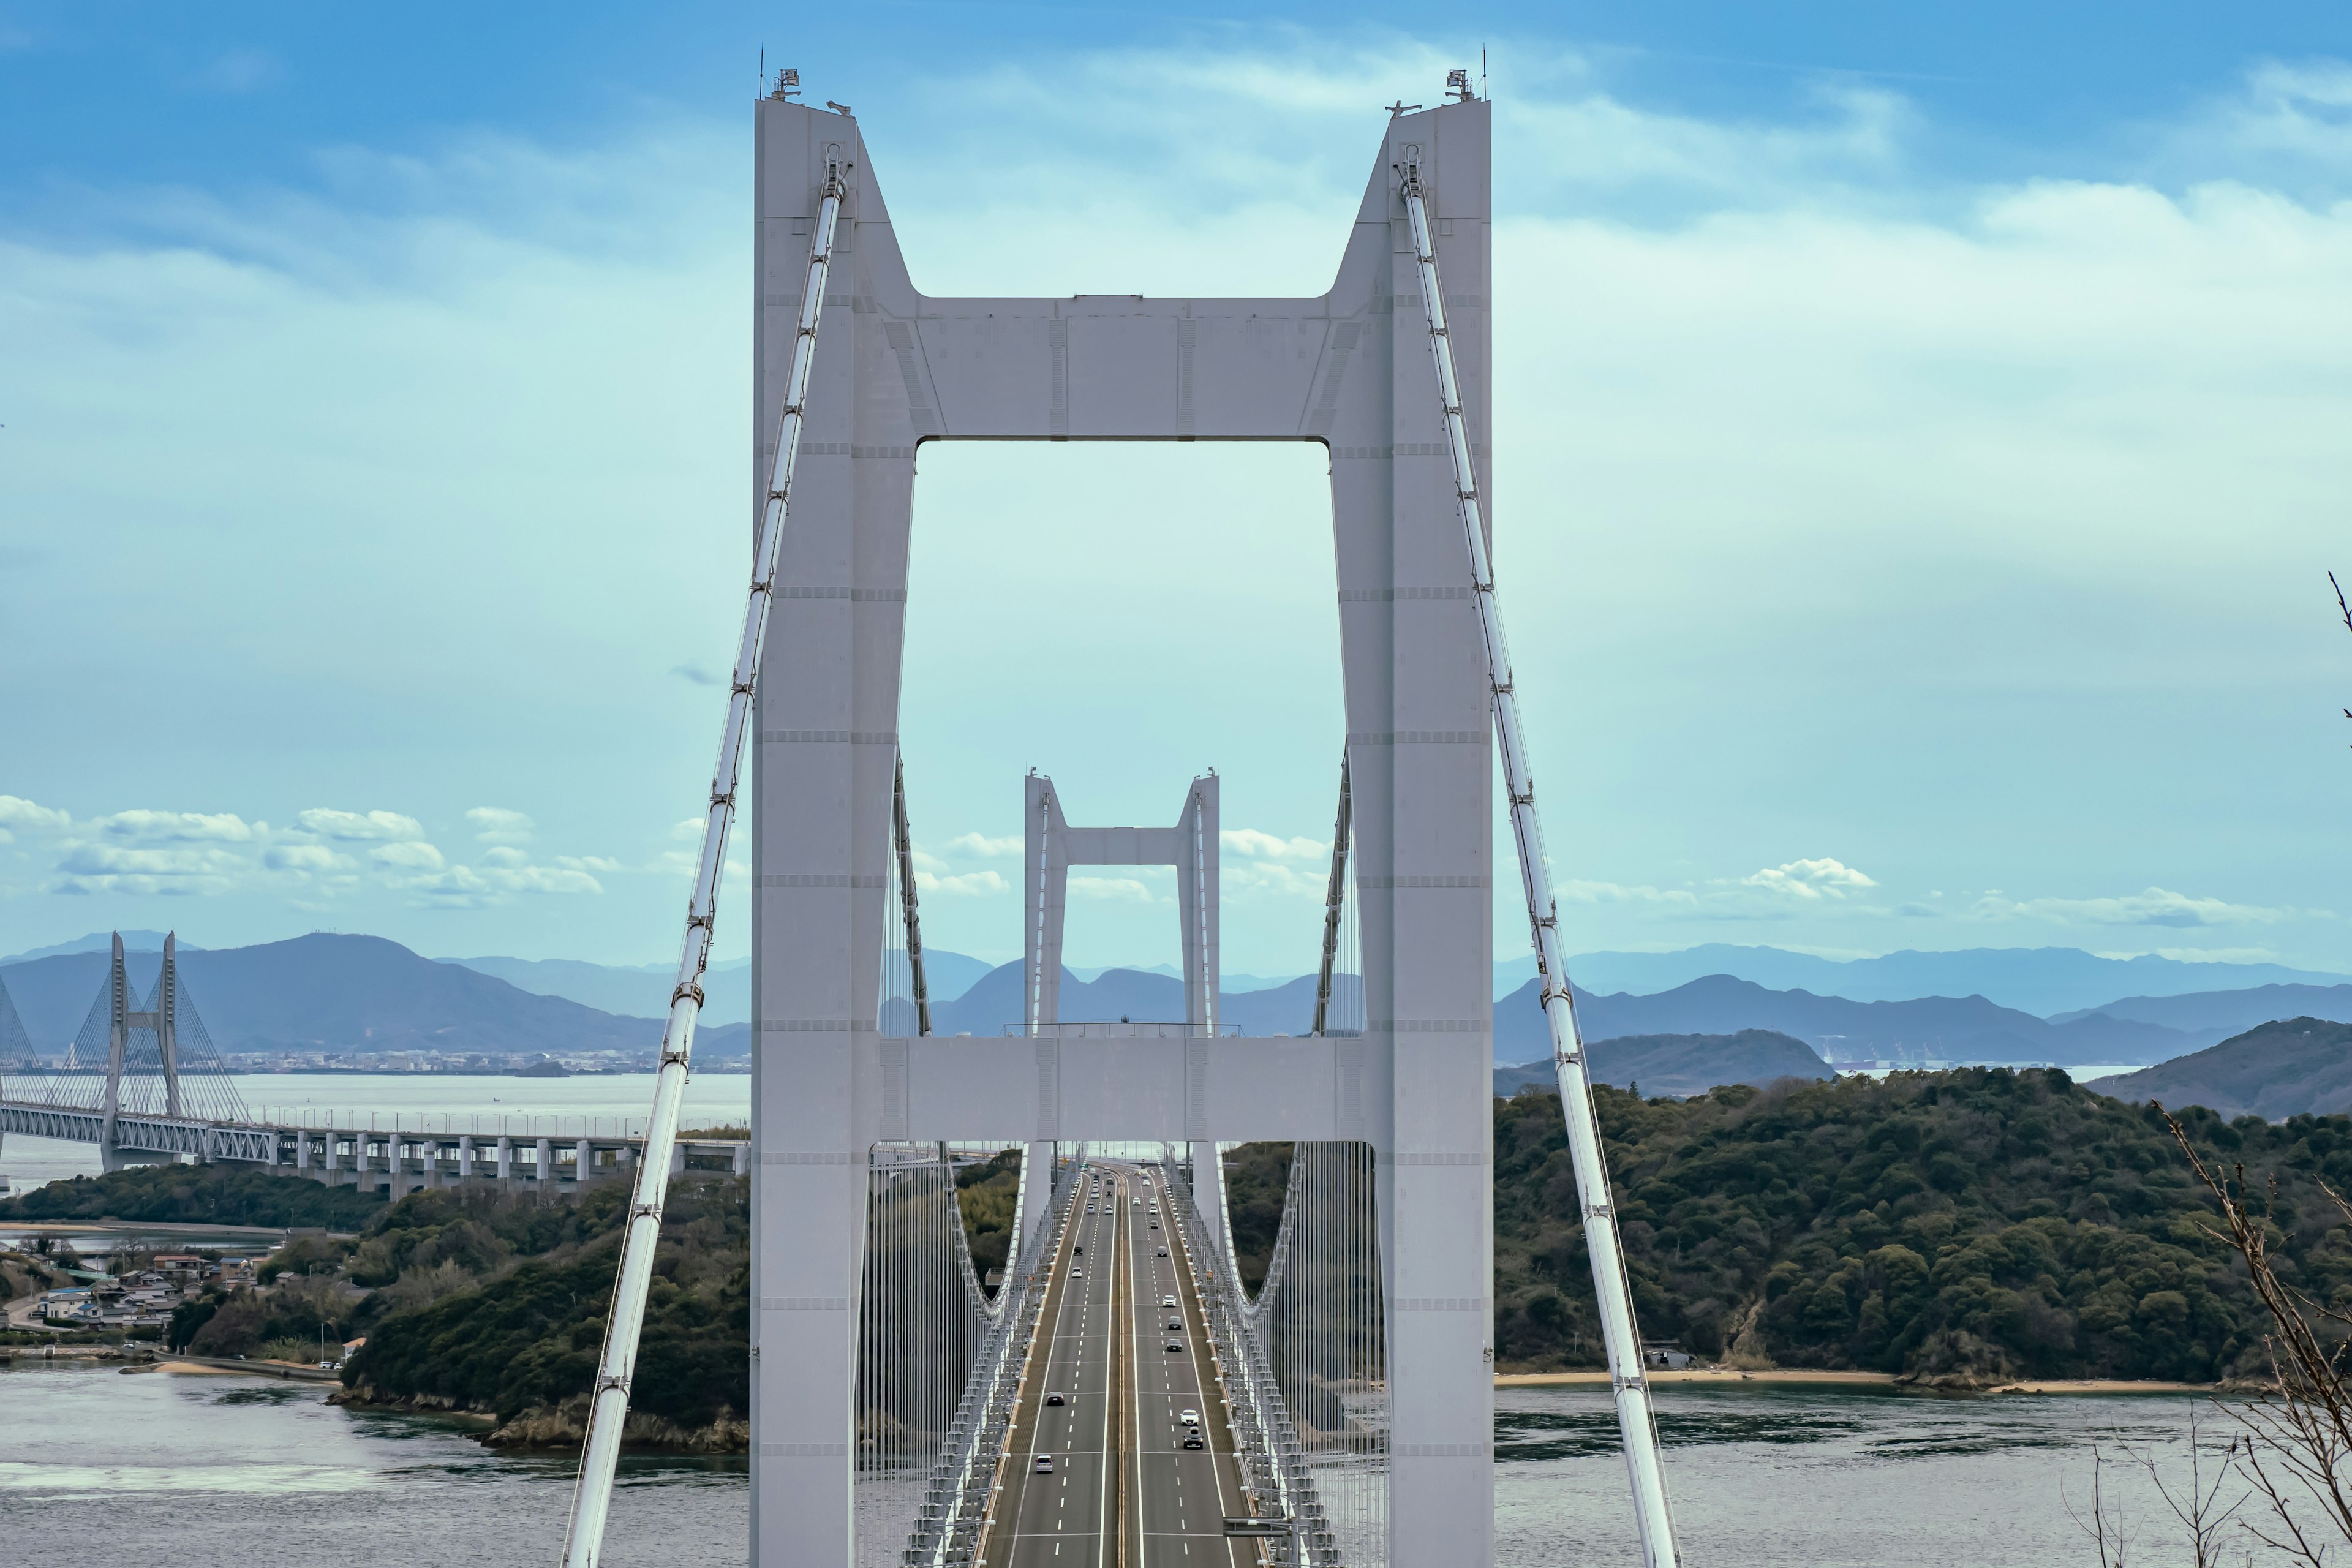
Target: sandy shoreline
[1800, 1376]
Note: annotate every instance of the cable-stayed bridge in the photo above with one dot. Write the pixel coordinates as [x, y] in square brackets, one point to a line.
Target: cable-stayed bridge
[142, 1082]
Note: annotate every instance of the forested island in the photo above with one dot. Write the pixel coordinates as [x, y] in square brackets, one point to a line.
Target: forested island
[1977, 1224]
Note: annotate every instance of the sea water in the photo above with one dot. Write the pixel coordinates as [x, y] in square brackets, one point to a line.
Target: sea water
[197, 1472]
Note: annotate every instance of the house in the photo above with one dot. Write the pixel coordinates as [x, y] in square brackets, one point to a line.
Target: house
[71, 1309]
[1665, 1355]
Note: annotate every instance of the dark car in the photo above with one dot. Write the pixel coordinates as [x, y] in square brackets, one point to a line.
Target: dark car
[1176, 1345]
[1163, 1252]
[1054, 1399]
[1192, 1440]
[1175, 1324]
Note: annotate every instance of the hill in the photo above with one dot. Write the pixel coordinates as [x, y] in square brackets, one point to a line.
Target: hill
[1926, 1028]
[2298, 1066]
[333, 994]
[1979, 1224]
[1680, 1065]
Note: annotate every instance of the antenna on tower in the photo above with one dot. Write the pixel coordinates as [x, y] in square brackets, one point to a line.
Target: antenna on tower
[788, 84]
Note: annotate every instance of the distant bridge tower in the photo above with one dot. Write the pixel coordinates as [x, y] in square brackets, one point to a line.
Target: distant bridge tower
[1050, 847]
[122, 1018]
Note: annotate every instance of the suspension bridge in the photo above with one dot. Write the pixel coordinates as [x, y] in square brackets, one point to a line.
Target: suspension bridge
[900, 1413]
[1121, 1396]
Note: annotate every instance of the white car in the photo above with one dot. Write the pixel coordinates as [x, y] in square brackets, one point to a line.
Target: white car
[1166, 1300]
[1189, 1418]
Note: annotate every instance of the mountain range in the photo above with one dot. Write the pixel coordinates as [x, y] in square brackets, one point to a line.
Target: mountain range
[339, 993]
[2043, 980]
[1920, 1029]
[328, 993]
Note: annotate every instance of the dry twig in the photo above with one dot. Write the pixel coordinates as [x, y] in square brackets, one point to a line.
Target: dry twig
[2298, 1442]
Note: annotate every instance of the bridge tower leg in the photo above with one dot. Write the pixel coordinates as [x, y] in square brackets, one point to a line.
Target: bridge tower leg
[167, 1029]
[118, 1042]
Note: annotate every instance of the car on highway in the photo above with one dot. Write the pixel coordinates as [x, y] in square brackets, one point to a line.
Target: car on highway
[1166, 1300]
[1043, 1465]
[1163, 1252]
[1176, 1345]
[1055, 1399]
[1189, 1418]
[1174, 1325]
[1192, 1440]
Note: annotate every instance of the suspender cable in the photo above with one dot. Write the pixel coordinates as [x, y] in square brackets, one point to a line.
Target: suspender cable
[1636, 1418]
[1334, 900]
[906, 910]
[584, 1536]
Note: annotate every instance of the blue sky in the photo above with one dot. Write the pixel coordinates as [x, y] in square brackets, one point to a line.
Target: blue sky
[1920, 449]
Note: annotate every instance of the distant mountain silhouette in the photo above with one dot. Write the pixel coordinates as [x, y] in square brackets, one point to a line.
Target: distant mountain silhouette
[2037, 979]
[336, 994]
[2231, 1011]
[2293, 1066]
[1930, 1028]
[101, 942]
[1679, 1065]
[644, 991]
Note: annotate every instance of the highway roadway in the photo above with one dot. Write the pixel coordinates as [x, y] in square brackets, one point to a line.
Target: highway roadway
[1123, 1492]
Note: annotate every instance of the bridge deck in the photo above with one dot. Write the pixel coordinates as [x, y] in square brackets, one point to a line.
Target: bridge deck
[1124, 1491]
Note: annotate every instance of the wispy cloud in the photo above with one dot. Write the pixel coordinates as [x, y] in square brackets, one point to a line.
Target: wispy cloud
[970, 884]
[2155, 906]
[327, 854]
[982, 846]
[496, 825]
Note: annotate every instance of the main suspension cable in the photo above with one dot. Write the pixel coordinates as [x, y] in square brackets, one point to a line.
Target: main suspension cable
[1620, 1338]
[592, 1500]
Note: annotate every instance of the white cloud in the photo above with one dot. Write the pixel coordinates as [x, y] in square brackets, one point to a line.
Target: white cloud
[972, 884]
[20, 816]
[305, 858]
[1808, 879]
[589, 863]
[500, 826]
[982, 846]
[1255, 845]
[353, 826]
[412, 855]
[175, 827]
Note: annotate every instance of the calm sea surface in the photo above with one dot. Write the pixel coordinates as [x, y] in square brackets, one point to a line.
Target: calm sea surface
[445, 1102]
[198, 1471]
